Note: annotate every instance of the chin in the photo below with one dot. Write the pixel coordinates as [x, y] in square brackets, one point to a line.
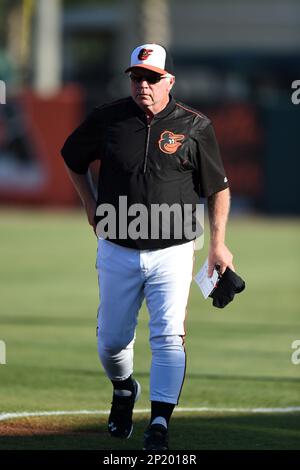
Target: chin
[143, 101]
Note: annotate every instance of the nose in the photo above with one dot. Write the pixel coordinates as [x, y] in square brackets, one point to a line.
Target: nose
[143, 83]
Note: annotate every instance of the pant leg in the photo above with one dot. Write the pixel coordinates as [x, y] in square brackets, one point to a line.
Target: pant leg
[167, 368]
[121, 296]
[167, 289]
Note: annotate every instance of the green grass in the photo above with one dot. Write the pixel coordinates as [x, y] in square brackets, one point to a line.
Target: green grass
[236, 357]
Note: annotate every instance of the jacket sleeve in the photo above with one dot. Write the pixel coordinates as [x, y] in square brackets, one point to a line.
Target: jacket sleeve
[83, 146]
[212, 175]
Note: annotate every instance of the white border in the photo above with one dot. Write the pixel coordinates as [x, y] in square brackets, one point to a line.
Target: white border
[28, 414]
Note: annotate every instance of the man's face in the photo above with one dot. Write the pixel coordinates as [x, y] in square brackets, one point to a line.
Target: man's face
[150, 89]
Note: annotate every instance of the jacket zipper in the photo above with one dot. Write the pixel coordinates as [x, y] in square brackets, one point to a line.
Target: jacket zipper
[147, 149]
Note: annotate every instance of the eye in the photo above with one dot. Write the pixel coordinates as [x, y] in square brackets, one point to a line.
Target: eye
[171, 141]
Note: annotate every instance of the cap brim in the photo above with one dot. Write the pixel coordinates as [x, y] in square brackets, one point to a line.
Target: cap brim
[147, 67]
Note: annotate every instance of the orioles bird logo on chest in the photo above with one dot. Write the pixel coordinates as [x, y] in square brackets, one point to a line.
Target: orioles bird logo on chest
[169, 142]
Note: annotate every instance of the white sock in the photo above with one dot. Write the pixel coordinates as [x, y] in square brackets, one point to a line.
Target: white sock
[160, 420]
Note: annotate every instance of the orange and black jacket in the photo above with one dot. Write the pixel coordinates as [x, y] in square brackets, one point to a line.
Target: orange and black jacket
[173, 160]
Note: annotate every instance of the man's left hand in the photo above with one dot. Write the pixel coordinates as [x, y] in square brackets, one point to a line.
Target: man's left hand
[219, 255]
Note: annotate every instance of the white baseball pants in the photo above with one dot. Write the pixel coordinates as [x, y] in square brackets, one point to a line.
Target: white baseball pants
[127, 277]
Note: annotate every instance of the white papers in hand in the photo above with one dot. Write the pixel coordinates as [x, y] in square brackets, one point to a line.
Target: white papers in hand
[206, 284]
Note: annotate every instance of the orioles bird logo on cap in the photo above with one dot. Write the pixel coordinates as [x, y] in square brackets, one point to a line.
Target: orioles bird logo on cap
[169, 142]
[144, 54]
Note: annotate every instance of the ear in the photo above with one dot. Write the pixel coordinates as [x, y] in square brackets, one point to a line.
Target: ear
[171, 83]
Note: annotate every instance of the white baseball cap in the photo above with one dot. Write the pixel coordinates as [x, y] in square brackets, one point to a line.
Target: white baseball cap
[152, 57]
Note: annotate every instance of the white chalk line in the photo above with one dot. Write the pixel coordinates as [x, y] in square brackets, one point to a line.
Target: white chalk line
[28, 414]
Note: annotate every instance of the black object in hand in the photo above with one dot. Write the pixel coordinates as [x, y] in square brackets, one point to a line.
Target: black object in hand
[228, 285]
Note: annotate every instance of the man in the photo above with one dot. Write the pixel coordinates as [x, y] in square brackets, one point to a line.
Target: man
[153, 150]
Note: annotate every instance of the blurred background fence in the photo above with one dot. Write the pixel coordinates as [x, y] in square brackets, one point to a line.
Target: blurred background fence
[235, 61]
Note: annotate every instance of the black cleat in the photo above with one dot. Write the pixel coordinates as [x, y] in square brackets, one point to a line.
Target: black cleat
[156, 438]
[120, 418]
